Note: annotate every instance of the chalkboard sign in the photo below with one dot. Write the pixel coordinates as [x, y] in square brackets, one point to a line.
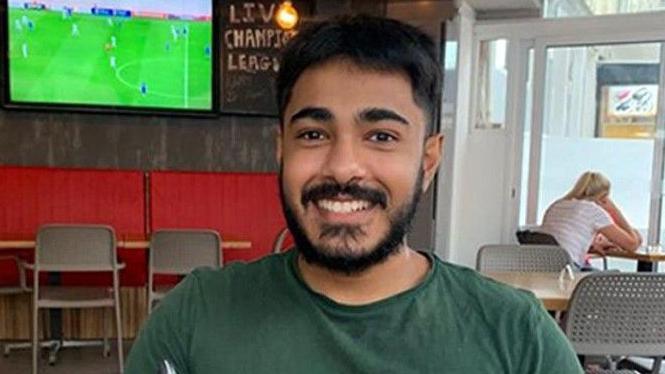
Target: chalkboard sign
[251, 42]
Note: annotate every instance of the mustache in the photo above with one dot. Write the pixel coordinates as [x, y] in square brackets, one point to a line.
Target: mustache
[331, 190]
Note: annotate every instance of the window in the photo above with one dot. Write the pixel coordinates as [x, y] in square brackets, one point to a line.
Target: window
[585, 8]
[491, 85]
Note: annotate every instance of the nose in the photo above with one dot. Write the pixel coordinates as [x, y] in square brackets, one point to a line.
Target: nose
[345, 161]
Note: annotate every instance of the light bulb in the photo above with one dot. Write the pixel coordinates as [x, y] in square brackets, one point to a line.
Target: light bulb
[286, 16]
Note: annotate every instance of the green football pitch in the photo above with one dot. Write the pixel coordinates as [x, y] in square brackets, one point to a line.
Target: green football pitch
[87, 59]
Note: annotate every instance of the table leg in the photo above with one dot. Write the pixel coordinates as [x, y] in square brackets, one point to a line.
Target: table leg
[55, 315]
[55, 322]
[647, 266]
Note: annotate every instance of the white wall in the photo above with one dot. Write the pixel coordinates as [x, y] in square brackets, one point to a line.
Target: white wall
[445, 223]
[480, 189]
[477, 166]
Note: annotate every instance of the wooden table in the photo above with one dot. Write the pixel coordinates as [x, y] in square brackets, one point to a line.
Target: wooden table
[553, 293]
[647, 257]
[131, 244]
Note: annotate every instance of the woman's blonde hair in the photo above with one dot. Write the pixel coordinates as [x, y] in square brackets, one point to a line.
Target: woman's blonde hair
[590, 185]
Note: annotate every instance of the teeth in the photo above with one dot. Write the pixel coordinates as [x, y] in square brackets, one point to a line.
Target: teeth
[343, 206]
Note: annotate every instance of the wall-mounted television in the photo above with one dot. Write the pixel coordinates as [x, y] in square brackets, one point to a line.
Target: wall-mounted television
[145, 55]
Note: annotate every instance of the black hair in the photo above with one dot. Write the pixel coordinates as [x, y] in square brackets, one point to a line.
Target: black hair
[371, 43]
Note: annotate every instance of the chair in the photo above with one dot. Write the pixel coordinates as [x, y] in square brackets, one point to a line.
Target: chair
[535, 237]
[179, 252]
[76, 248]
[522, 258]
[618, 314]
[278, 243]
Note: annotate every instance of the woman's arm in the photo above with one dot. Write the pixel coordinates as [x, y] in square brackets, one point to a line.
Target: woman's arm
[601, 244]
[620, 232]
[628, 240]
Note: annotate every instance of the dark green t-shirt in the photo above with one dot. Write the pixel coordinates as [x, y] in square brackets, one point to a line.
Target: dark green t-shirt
[262, 318]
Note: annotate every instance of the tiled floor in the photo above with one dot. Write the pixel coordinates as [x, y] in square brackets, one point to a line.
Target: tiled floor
[70, 361]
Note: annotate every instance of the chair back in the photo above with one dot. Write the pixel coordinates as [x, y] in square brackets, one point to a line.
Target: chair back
[75, 248]
[618, 314]
[535, 237]
[522, 258]
[181, 251]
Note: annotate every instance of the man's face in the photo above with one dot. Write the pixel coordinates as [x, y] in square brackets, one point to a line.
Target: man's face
[354, 161]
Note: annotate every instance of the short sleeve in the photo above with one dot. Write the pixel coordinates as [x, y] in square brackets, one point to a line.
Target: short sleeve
[550, 351]
[167, 334]
[599, 217]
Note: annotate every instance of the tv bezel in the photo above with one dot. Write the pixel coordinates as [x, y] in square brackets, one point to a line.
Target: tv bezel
[7, 103]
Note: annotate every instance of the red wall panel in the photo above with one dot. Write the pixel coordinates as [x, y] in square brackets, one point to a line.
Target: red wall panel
[242, 205]
[31, 197]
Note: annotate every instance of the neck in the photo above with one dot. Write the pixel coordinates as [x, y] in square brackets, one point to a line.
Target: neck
[401, 271]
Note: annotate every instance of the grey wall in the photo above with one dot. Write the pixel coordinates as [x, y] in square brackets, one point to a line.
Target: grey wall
[227, 143]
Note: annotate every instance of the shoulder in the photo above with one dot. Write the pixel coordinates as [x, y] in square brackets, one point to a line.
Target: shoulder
[489, 305]
[589, 205]
[568, 204]
[241, 273]
[506, 312]
[586, 207]
[575, 207]
[559, 207]
[207, 292]
[510, 318]
[594, 213]
[560, 203]
[477, 293]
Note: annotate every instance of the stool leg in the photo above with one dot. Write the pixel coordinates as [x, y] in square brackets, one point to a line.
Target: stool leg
[107, 322]
[35, 338]
[118, 322]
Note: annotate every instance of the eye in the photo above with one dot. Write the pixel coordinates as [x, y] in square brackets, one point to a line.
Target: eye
[382, 137]
[311, 135]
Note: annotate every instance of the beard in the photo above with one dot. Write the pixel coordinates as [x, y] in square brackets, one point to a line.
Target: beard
[342, 258]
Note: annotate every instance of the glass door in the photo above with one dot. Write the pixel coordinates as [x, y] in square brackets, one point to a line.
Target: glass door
[596, 107]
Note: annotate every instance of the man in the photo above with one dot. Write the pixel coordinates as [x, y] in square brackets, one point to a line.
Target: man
[357, 103]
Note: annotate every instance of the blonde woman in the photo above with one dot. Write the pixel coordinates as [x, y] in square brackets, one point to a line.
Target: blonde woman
[586, 219]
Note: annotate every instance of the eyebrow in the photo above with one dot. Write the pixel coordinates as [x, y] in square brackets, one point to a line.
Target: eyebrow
[315, 113]
[371, 115]
[380, 114]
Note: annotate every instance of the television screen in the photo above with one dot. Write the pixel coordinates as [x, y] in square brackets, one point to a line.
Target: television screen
[123, 53]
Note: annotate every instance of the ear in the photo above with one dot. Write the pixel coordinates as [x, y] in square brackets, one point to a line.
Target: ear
[431, 158]
[278, 144]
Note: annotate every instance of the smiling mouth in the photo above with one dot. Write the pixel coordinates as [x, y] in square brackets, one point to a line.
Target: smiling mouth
[344, 207]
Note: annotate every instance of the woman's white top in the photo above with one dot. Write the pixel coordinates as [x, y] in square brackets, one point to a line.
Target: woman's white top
[574, 224]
